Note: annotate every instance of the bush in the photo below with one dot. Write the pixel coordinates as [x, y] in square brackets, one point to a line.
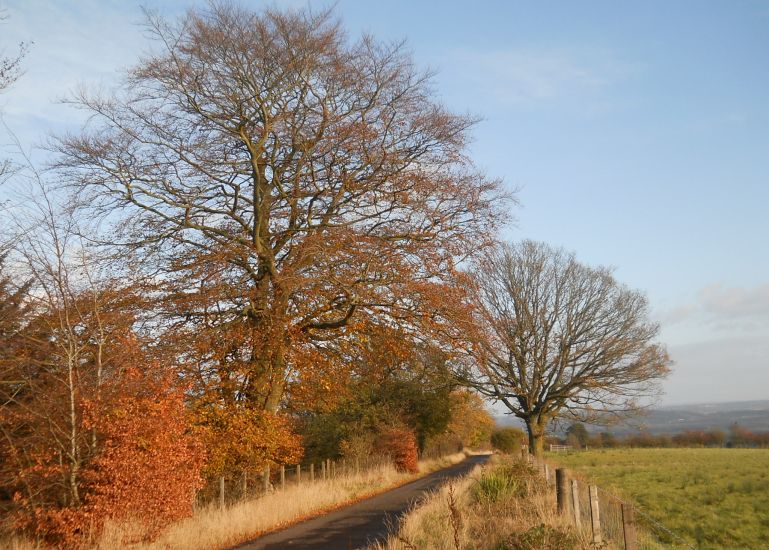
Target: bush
[542, 537]
[400, 444]
[357, 446]
[507, 440]
[495, 485]
[146, 467]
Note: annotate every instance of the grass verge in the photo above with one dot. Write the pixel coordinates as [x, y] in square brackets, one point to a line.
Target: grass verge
[504, 505]
[214, 528]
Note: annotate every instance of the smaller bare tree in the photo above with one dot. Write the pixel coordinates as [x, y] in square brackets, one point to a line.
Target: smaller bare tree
[10, 66]
[10, 71]
[562, 339]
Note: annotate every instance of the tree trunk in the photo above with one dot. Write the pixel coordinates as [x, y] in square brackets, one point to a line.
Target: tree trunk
[272, 344]
[277, 382]
[536, 429]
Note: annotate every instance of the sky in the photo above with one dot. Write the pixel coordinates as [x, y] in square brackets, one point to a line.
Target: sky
[636, 134]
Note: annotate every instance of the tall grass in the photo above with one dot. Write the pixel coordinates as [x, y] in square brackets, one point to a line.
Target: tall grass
[17, 543]
[505, 505]
[212, 527]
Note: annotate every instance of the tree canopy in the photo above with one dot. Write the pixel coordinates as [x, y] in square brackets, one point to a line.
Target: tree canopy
[291, 185]
[562, 338]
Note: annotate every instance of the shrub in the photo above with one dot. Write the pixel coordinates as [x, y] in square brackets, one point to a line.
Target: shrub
[542, 537]
[145, 469]
[400, 445]
[507, 440]
[495, 485]
[357, 446]
[244, 439]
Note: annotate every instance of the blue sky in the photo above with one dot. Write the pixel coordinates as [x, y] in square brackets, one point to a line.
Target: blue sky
[637, 133]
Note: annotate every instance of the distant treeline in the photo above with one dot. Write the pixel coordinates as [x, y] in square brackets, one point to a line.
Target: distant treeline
[736, 436]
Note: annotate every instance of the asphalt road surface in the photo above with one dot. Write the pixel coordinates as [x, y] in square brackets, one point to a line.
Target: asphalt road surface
[362, 523]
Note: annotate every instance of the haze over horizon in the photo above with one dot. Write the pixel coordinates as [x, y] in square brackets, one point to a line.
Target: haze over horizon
[637, 135]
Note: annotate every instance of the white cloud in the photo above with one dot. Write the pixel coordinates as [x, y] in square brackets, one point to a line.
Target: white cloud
[724, 307]
[678, 314]
[726, 369]
[532, 76]
[736, 302]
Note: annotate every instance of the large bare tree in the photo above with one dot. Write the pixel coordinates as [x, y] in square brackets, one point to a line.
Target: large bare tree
[562, 339]
[287, 184]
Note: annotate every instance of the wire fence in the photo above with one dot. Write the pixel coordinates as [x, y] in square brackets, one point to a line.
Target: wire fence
[611, 521]
[241, 485]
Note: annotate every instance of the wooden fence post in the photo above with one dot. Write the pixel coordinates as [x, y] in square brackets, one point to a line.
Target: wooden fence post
[245, 484]
[266, 479]
[323, 469]
[595, 518]
[575, 503]
[298, 473]
[547, 474]
[312, 472]
[282, 476]
[628, 527]
[562, 489]
[221, 491]
[333, 468]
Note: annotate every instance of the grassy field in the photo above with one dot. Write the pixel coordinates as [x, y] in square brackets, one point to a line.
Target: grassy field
[714, 498]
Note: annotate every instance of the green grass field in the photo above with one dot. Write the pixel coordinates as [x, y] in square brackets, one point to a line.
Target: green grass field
[713, 498]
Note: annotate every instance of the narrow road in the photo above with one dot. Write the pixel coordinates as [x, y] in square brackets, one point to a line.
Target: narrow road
[362, 523]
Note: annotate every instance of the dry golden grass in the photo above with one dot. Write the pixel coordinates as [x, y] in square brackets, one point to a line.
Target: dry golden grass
[475, 512]
[214, 528]
[18, 543]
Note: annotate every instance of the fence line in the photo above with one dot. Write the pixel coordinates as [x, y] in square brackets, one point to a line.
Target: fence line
[609, 518]
[655, 528]
[242, 485]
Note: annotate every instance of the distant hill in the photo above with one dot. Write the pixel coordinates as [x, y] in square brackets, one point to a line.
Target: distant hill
[753, 415]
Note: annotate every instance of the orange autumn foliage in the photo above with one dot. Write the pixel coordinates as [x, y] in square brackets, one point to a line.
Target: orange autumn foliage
[470, 422]
[150, 462]
[355, 201]
[146, 469]
[243, 439]
[400, 444]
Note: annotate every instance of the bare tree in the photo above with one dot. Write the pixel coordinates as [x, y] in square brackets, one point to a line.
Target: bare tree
[287, 183]
[10, 66]
[562, 339]
[10, 71]
[62, 332]
[42, 374]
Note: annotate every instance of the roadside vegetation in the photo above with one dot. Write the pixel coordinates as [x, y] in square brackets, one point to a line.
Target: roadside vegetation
[212, 527]
[714, 498]
[504, 505]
